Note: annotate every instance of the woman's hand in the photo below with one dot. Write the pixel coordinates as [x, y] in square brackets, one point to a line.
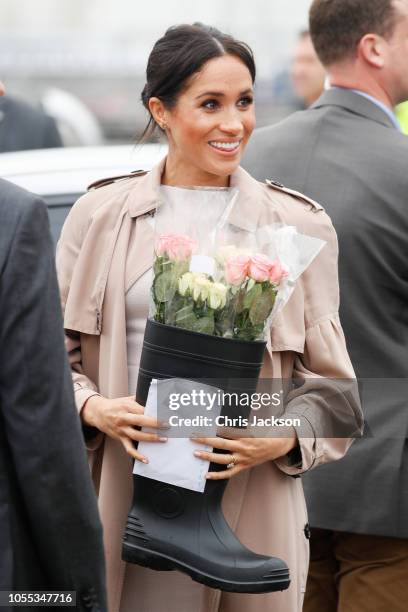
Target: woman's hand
[244, 453]
[119, 418]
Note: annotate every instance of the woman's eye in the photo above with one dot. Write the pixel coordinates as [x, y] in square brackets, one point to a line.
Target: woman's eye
[210, 104]
[245, 102]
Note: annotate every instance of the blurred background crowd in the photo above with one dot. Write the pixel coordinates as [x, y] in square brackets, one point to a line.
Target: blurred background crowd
[83, 63]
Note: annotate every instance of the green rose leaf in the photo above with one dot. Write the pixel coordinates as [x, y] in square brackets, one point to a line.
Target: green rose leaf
[186, 317]
[261, 307]
[239, 301]
[173, 306]
[158, 265]
[252, 295]
[164, 286]
[205, 325]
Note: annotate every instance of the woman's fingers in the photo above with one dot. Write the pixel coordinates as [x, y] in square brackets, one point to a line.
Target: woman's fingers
[132, 405]
[135, 416]
[140, 420]
[221, 443]
[131, 450]
[224, 474]
[138, 436]
[221, 458]
[225, 458]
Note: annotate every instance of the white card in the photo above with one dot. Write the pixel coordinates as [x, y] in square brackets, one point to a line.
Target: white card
[173, 461]
[203, 264]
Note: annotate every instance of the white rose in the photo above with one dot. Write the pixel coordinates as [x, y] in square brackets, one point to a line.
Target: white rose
[201, 287]
[217, 296]
[185, 284]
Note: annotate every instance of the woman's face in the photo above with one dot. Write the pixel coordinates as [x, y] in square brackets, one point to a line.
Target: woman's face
[211, 123]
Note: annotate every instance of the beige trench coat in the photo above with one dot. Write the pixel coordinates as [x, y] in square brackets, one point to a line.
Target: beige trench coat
[106, 244]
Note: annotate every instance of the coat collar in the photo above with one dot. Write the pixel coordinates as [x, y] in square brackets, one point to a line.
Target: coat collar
[359, 105]
[145, 196]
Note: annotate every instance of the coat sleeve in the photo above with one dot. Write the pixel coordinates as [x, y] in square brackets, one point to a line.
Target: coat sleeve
[68, 248]
[38, 412]
[325, 400]
[325, 397]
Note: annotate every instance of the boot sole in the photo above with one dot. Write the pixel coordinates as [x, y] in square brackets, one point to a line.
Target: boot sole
[279, 580]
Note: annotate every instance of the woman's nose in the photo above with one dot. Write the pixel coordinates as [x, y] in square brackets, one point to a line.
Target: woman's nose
[231, 123]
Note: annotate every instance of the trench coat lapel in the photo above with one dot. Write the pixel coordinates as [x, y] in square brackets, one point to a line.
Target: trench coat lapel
[140, 252]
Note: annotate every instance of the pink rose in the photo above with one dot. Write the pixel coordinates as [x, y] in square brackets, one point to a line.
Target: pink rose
[236, 269]
[277, 272]
[260, 267]
[175, 246]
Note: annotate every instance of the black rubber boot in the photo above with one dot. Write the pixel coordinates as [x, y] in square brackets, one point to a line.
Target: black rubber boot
[172, 528]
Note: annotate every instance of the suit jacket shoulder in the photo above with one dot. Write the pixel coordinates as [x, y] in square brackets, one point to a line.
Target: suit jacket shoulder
[15, 205]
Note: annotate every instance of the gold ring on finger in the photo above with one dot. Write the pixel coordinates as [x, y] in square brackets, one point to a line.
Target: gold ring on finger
[231, 463]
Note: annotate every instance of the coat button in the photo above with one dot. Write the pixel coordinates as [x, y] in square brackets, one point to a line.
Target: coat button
[307, 531]
[276, 183]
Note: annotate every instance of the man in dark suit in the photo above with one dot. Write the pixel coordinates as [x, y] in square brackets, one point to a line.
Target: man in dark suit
[23, 127]
[347, 152]
[50, 533]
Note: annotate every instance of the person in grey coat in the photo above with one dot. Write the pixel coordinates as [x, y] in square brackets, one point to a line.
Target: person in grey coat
[50, 532]
[348, 153]
[24, 127]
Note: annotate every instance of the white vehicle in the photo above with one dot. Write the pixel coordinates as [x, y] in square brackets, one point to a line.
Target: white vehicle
[61, 176]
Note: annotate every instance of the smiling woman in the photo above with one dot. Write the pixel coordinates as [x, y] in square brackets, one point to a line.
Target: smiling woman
[210, 126]
[199, 91]
[202, 98]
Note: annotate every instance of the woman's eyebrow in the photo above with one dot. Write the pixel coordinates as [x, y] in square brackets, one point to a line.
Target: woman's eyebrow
[220, 94]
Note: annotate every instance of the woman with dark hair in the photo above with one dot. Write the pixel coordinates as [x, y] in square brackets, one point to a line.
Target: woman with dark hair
[199, 92]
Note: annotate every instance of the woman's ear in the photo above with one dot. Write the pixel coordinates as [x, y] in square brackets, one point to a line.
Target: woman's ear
[158, 112]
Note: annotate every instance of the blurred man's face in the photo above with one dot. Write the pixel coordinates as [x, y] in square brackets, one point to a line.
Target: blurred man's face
[307, 72]
[397, 55]
[2, 90]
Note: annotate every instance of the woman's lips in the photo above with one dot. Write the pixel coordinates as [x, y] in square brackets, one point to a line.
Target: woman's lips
[225, 147]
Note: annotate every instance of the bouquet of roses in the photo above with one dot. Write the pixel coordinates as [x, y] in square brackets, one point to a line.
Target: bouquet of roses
[235, 300]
